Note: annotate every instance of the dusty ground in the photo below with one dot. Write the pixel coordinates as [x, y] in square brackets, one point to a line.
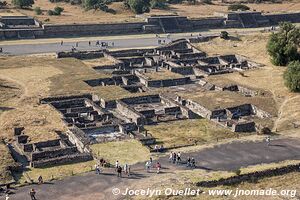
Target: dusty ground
[267, 78]
[76, 14]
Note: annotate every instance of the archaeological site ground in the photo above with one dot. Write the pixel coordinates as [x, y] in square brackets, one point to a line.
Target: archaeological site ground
[89, 89]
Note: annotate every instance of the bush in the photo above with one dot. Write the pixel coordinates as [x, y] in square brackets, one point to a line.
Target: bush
[236, 7]
[58, 10]
[207, 1]
[292, 76]
[283, 45]
[139, 6]
[158, 4]
[38, 10]
[22, 3]
[224, 35]
[50, 12]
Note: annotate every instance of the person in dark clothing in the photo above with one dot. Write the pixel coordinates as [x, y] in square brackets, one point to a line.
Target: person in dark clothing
[119, 170]
[32, 194]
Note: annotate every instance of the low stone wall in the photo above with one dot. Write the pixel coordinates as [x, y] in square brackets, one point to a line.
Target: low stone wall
[61, 98]
[52, 153]
[74, 158]
[142, 99]
[80, 54]
[250, 177]
[130, 113]
[51, 30]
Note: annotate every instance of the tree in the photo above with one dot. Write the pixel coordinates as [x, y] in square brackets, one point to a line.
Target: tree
[283, 46]
[292, 76]
[22, 3]
[139, 6]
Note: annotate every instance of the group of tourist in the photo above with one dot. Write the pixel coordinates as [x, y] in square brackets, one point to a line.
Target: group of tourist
[98, 43]
[119, 169]
[176, 158]
[149, 165]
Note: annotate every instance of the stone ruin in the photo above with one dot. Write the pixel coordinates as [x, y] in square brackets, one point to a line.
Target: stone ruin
[28, 27]
[178, 67]
[51, 152]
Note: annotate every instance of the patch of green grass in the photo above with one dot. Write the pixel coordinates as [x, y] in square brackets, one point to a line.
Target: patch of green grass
[128, 151]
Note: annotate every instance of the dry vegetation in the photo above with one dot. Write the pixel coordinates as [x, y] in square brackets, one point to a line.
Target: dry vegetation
[267, 78]
[128, 151]
[6, 160]
[76, 14]
[185, 132]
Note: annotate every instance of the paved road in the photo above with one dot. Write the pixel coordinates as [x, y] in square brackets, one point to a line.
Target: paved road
[223, 157]
[123, 42]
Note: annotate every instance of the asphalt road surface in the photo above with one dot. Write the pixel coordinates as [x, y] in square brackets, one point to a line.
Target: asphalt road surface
[119, 43]
[223, 157]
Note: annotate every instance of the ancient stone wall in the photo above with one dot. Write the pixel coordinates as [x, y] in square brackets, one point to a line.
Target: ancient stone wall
[74, 158]
[243, 127]
[51, 30]
[130, 113]
[81, 55]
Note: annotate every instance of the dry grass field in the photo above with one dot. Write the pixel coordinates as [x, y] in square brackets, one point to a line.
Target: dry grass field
[76, 14]
[185, 132]
[128, 151]
[5, 161]
[267, 78]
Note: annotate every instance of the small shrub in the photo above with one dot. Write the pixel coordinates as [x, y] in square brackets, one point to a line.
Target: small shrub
[158, 4]
[50, 12]
[236, 7]
[58, 10]
[38, 10]
[238, 172]
[224, 35]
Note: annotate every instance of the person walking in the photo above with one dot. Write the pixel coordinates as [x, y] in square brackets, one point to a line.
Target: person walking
[178, 157]
[119, 170]
[171, 157]
[61, 43]
[6, 197]
[188, 162]
[89, 43]
[126, 169]
[147, 165]
[193, 163]
[174, 157]
[158, 167]
[32, 194]
[268, 140]
[97, 168]
[40, 180]
[117, 165]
